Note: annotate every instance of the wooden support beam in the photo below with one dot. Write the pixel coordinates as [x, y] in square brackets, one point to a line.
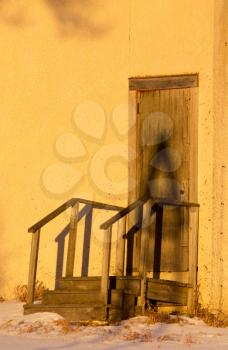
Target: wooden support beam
[87, 241]
[106, 264]
[33, 266]
[143, 252]
[72, 240]
[120, 247]
[144, 238]
[193, 257]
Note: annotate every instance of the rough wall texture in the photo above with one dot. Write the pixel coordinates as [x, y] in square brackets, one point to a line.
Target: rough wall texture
[60, 62]
[219, 271]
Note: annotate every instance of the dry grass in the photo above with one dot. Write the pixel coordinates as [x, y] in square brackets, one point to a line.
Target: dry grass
[165, 337]
[161, 317]
[21, 291]
[139, 336]
[60, 326]
[93, 323]
[64, 325]
[189, 340]
[217, 319]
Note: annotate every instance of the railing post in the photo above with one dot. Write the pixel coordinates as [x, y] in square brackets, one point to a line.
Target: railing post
[144, 238]
[33, 266]
[106, 264]
[193, 257]
[72, 240]
[87, 241]
[144, 251]
[120, 247]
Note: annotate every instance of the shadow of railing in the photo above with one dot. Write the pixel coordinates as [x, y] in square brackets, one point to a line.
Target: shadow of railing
[60, 239]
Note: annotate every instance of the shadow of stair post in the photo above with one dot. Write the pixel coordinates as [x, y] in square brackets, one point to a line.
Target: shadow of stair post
[60, 239]
[131, 240]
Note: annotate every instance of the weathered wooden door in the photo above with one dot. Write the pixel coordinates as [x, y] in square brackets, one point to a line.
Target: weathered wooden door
[165, 165]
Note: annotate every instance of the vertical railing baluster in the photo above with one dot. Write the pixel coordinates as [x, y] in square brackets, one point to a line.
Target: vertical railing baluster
[106, 264]
[120, 247]
[72, 240]
[33, 266]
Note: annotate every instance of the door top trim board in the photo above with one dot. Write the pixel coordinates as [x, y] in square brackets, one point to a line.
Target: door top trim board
[164, 82]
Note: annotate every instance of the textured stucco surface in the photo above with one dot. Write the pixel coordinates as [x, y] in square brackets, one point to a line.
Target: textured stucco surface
[54, 58]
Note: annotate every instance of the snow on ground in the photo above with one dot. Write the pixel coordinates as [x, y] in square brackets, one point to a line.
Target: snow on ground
[47, 331]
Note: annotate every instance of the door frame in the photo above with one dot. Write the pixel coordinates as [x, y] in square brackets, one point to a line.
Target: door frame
[136, 85]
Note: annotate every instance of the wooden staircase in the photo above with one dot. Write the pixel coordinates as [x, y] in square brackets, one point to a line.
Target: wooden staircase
[115, 297]
[77, 299]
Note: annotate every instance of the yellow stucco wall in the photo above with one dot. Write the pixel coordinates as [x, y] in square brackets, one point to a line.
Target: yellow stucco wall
[59, 63]
[219, 270]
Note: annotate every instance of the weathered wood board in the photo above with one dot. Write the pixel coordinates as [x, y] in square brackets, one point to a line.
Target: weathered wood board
[167, 292]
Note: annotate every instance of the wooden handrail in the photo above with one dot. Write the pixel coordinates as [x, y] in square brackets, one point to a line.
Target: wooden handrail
[35, 229]
[51, 216]
[123, 213]
[66, 205]
[173, 202]
[153, 205]
[142, 201]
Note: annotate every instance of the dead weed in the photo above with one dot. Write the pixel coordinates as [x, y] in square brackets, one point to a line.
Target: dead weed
[162, 317]
[216, 319]
[21, 291]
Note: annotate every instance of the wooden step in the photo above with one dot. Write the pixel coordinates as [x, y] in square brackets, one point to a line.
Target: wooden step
[71, 312]
[71, 297]
[167, 291]
[80, 283]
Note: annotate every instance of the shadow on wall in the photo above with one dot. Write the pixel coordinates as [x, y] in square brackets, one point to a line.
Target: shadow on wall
[162, 177]
[72, 17]
[12, 13]
[77, 16]
[86, 212]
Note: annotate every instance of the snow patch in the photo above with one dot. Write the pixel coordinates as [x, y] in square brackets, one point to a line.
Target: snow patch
[44, 331]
